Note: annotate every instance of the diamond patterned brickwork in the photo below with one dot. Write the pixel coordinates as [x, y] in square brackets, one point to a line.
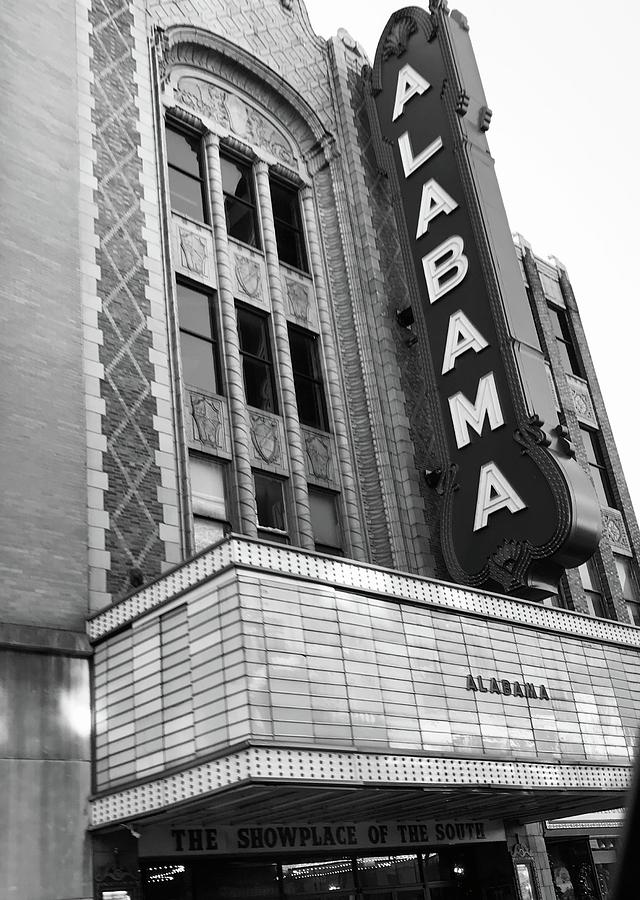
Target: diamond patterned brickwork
[417, 404]
[281, 38]
[131, 500]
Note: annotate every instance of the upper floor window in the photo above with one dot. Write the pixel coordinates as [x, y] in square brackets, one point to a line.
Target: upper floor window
[270, 508]
[239, 200]
[598, 468]
[564, 340]
[288, 225]
[307, 376]
[257, 361]
[186, 174]
[208, 503]
[593, 588]
[629, 586]
[325, 522]
[198, 342]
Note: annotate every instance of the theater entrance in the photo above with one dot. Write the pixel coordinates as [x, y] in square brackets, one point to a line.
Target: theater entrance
[460, 872]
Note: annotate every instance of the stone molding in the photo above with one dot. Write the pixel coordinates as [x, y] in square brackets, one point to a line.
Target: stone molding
[93, 371]
[236, 115]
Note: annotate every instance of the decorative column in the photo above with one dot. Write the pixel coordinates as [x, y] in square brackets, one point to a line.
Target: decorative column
[240, 431]
[353, 517]
[287, 385]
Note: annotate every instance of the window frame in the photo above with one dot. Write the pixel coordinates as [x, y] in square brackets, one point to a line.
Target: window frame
[297, 230]
[329, 549]
[565, 339]
[593, 588]
[244, 309]
[214, 340]
[189, 136]
[228, 198]
[321, 414]
[209, 508]
[272, 532]
[598, 466]
[632, 602]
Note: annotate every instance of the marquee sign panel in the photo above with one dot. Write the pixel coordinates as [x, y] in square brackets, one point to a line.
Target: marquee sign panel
[196, 840]
[517, 508]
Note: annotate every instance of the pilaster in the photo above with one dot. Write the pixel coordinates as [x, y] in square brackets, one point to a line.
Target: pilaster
[241, 434]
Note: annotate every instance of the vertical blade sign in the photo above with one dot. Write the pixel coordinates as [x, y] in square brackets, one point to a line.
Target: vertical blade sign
[517, 508]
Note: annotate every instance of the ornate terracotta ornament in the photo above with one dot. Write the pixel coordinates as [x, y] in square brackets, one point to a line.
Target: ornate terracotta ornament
[207, 420]
[266, 438]
[248, 277]
[193, 252]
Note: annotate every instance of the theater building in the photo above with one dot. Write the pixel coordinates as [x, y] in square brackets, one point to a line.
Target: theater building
[304, 594]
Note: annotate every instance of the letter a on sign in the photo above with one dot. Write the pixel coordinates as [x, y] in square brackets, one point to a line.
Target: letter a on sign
[434, 201]
[408, 85]
[494, 493]
[462, 335]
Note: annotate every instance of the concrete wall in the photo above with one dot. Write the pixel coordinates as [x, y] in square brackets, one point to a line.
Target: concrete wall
[42, 477]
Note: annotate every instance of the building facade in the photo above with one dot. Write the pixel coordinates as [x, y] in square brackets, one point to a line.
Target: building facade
[235, 662]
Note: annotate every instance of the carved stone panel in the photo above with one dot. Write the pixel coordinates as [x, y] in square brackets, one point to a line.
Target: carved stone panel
[208, 423]
[300, 300]
[236, 116]
[320, 458]
[582, 401]
[193, 250]
[267, 442]
[614, 528]
[250, 278]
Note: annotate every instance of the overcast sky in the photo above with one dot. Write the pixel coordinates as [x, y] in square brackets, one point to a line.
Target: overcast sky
[563, 81]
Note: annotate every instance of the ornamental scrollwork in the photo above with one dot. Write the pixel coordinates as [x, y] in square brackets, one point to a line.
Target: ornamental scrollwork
[396, 41]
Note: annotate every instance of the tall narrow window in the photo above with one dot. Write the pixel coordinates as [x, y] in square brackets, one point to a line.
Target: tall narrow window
[288, 225]
[630, 593]
[207, 501]
[307, 376]
[186, 174]
[564, 340]
[325, 522]
[239, 200]
[257, 362]
[598, 468]
[270, 507]
[198, 344]
[593, 588]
